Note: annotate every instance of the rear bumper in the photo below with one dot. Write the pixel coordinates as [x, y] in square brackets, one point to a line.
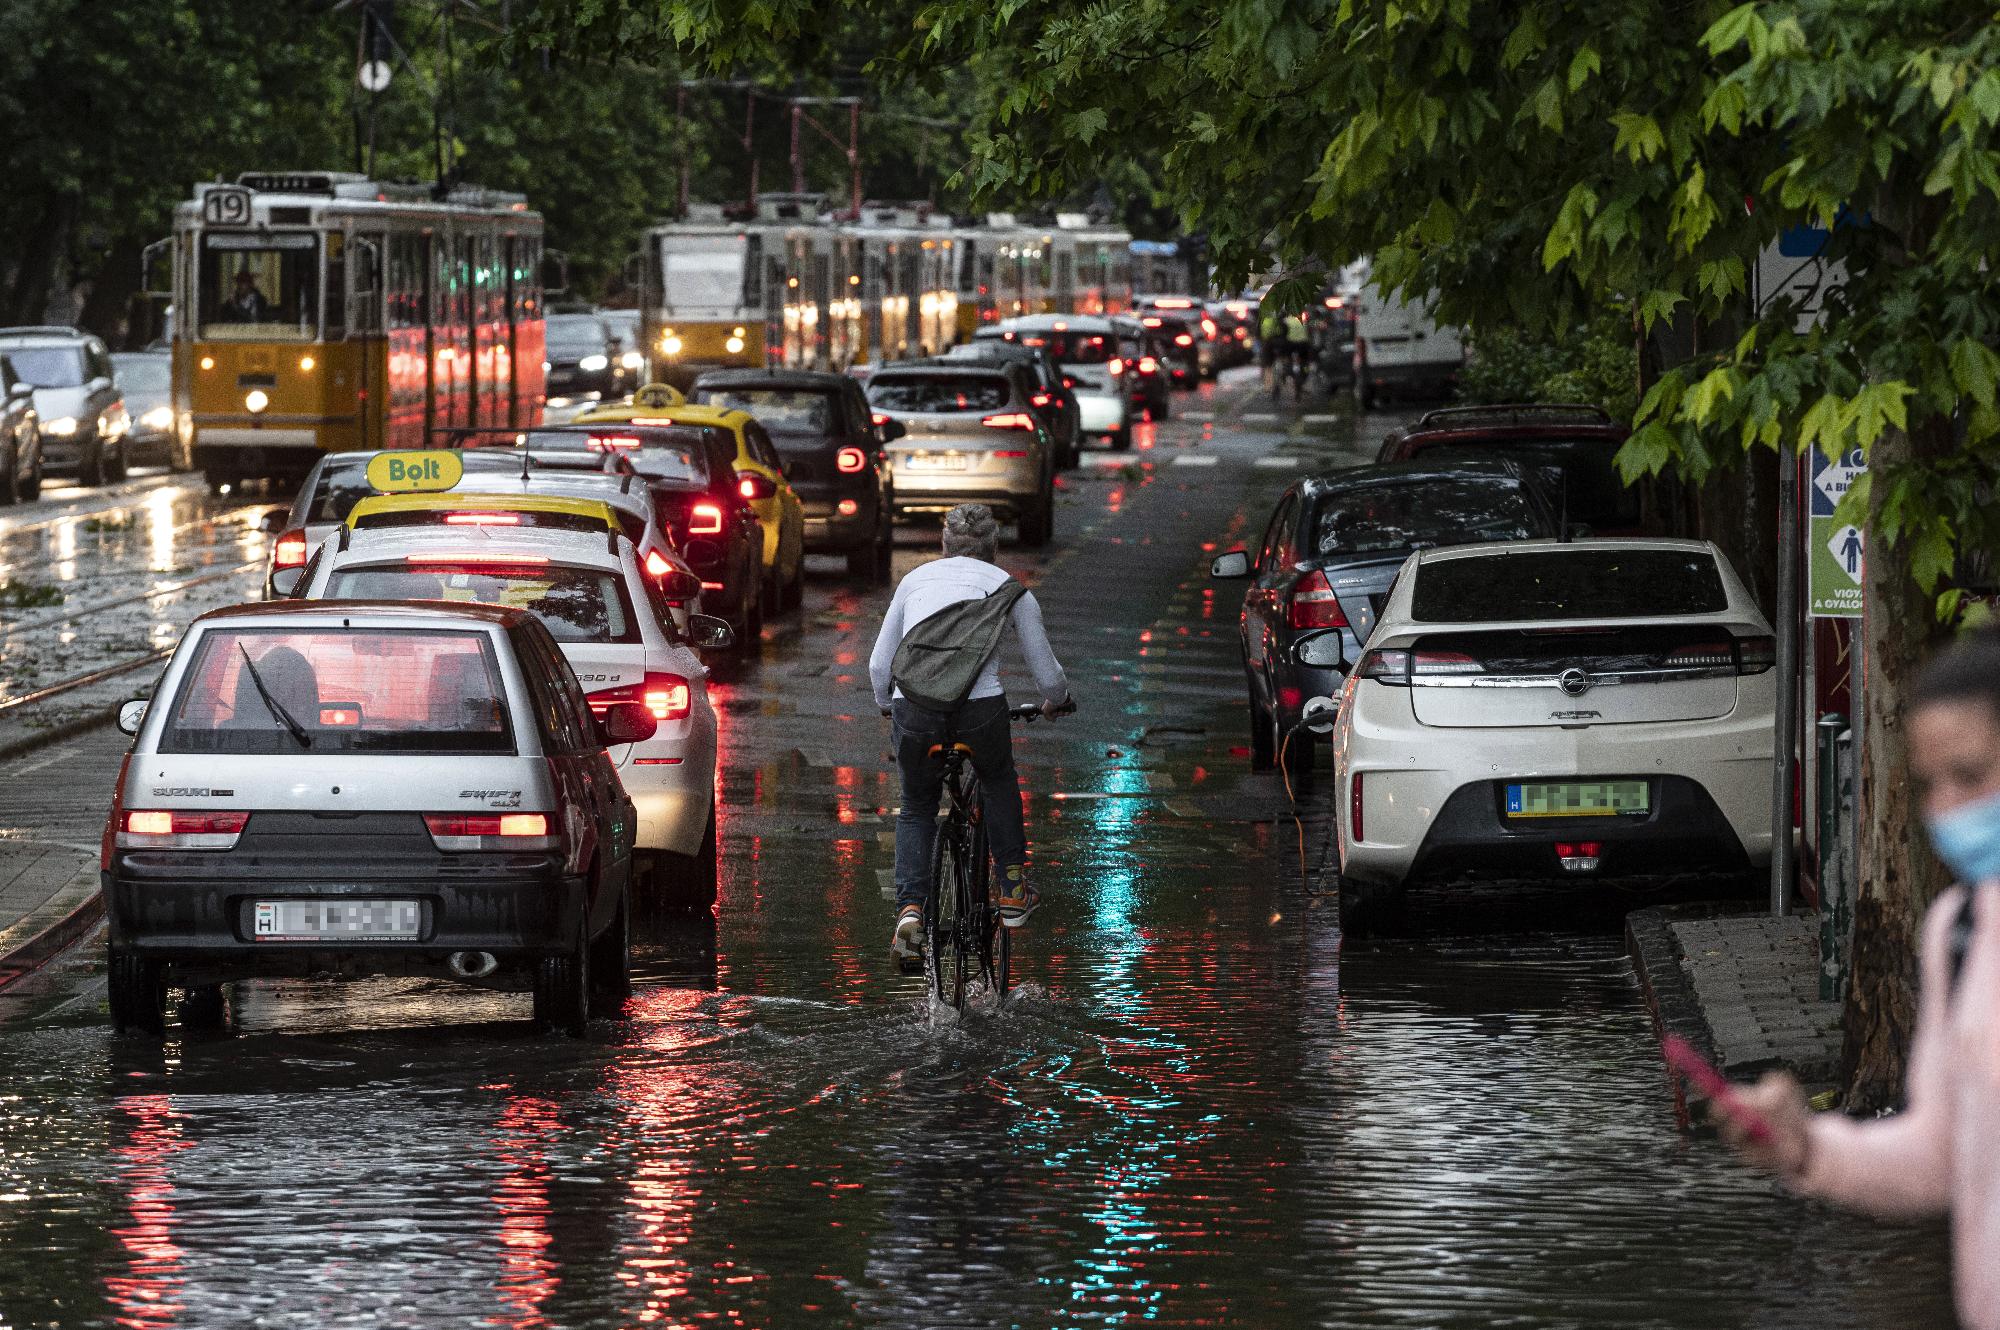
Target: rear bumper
[672, 797]
[1004, 484]
[516, 906]
[828, 532]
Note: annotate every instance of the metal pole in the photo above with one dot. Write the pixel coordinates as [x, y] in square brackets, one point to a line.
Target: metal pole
[680, 128]
[798, 157]
[1831, 870]
[749, 137]
[854, 152]
[1782, 771]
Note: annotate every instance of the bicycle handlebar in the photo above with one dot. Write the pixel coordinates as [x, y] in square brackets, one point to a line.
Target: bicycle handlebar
[1032, 711]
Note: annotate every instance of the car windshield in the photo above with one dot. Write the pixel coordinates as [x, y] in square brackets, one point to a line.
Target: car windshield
[261, 286]
[575, 335]
[576, 604]
[305, 691]
[143, 374]
[702, 272]
[1579, 475]
[1073, 348]
[810, 412]
[938, 393]
[669, 452]
[50, 366]
[1545, 584]
[1378, 518]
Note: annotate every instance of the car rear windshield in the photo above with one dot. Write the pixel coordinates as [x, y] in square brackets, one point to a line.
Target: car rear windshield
[671, 452]
[328, 690]
[515, 518]
[575, 335]
[1430, 512]
[938, 393]
[341, 485]
[50, 366]
[1073, 348]
[576, 604]
[810, 412]
[1568, 584]
[1583, 467]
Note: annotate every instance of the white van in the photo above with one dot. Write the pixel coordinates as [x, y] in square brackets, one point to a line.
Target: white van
[1400, 350]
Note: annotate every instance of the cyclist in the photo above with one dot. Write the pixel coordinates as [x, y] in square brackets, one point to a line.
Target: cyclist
[1298, 344]
[1270, 333]
[967, 572]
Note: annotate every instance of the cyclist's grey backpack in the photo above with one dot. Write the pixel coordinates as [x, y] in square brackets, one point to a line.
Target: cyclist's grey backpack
[941, 657]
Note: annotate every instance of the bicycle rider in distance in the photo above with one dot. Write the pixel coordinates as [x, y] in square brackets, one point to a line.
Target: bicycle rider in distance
[980, 722]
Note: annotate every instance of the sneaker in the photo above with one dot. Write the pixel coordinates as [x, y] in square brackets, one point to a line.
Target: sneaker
[907, 944]
[1017, 899]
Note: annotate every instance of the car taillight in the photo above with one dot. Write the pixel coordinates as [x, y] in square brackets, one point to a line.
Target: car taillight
[657, 564]
[1068, 382]
[1385, 666]
[667, 696]
[1314, 605]
[1041, 399]
[483, 557]
[1208, 328]
[179, 829]
[1702, 655]
[1148, 365]
[850, 461]
[705, 519]
[611, 443]
[482, 519]
[1114, 366]
[753, 486]
[1183, 339]
[880, 418]
[1755, 655]
[1444, 662]
[1355, 824]
[1009, 420]
[290, 551]
[1010, 452]
[490, 831]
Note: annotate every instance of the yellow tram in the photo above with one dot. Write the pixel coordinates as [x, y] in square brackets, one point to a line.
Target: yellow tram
[321, 312]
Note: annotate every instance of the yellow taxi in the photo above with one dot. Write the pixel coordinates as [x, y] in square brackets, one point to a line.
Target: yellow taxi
[760, 479]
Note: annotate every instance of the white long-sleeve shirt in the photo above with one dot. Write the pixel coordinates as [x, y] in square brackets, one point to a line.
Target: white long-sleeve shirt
[941, 584]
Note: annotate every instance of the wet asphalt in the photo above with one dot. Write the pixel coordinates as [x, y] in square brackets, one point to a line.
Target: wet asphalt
[1202, 1107]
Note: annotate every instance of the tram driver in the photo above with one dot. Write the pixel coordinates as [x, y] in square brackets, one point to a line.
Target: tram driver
[246, 304]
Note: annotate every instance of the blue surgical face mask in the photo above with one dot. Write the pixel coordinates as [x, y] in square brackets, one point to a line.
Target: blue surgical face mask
[1968, 839]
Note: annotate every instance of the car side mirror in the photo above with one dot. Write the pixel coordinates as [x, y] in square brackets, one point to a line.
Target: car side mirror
[1320, 651]
[285, 582]
[273, 521]
[626, 723]
[131, 715]
[679, 587]
[893, 430]
[1236, 563]
[710, 633]
[1318, 714]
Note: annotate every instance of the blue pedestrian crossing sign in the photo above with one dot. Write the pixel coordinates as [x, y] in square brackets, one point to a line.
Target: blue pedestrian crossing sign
[1834, 550]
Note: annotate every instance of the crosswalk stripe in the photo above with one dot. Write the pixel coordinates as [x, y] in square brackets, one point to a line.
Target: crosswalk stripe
[1319, 420]
[1196, 459]
[1277, 463]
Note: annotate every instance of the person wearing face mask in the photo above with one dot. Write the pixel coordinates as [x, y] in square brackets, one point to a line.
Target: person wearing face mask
[1937, 1156]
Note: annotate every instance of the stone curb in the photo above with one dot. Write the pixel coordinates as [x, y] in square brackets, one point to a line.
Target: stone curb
[23, 744]
[81, 906]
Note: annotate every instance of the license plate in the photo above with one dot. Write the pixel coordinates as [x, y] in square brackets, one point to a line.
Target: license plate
[937, 461]
[1584, 798]
[337, 921]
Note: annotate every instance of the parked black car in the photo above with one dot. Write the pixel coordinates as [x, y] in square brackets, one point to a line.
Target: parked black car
[21, 431]
[1055, 403]
[832, 452]
[1324, 567]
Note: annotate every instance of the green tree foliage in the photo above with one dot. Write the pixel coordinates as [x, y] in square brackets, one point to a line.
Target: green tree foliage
[1597, 363]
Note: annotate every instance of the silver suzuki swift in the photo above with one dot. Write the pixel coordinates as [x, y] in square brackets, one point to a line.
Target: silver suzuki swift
[370, 788]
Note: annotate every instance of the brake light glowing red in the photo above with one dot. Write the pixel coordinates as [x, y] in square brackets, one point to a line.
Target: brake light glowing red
[1314, 605]
[290, 550]
[341, 716]
[1148, 365]
[880, 418]
[611, 443]
[1151, 321]
[1010, 420]
[656, 564]
[1041, 399]
[1208, 327]
[705, 519]
[848, 507]
[181, 829]
[667, 696]
[850, 461]
[482, 519]
[1115, 366]
[747, 487]
[487, 824]
[1183, 339]
[483, 557]
[1010, 452]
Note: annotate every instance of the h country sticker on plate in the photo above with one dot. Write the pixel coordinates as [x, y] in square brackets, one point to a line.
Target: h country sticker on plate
[337, 921]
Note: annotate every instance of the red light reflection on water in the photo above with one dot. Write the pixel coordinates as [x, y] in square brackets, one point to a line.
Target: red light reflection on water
[528, 1277]
[148, 1295]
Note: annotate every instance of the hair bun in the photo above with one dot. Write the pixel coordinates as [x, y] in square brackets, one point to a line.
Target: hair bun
[973, 520]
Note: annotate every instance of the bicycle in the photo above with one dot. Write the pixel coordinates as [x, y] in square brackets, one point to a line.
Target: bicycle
[960, 943]
[1291, 364]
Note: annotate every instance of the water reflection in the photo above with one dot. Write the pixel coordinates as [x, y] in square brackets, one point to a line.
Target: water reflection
[148, 1293]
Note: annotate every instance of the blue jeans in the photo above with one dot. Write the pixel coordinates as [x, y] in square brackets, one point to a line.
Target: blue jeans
[981, 725]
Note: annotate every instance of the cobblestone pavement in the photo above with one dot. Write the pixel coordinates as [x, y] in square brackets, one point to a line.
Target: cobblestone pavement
[1757, 980]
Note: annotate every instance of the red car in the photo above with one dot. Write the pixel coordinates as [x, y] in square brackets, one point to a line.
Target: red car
[1572, 448]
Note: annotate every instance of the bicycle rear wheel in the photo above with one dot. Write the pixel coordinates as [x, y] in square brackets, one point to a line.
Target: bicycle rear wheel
[938, 923]
[952, 921]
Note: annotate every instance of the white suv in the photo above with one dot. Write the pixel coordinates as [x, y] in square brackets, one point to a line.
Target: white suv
[619, 636]
[1540, 708]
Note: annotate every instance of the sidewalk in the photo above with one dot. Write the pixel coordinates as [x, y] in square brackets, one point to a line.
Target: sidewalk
[48, 899]
[1744, 988]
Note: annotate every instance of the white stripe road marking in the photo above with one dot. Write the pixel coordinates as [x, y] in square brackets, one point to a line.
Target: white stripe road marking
[1259, 418]
[1319, 420]
[1196, 459]
[1278, 463]
[1111, 459]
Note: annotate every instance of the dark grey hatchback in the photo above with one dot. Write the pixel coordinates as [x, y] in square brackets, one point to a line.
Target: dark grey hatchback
[1329, 554]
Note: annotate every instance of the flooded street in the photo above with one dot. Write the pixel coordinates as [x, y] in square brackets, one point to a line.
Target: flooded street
[1203, 1106]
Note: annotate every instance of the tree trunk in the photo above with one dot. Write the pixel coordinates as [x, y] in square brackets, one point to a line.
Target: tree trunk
[29, 299]
[1899, 875]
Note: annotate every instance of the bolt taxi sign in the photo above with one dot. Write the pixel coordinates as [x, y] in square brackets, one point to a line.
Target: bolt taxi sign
[409, 473]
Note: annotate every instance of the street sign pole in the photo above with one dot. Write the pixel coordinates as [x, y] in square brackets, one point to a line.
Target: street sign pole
[1784, 769]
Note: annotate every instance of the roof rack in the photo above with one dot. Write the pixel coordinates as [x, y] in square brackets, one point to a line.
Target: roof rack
[1527, 413]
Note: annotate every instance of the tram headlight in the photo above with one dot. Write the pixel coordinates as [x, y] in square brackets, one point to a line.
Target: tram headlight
[733, 345]
[208, 362]
[62, 426]
[592, 364]
[256, 400]
[159, 418]
[306, 363]
[670, 345]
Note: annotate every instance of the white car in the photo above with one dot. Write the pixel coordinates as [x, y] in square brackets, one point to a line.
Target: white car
[616, 631]
[1544, 708]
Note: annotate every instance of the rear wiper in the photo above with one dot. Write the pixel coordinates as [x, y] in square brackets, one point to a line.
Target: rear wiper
[290, 722]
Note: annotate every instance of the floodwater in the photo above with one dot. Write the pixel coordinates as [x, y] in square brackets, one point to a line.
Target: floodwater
[1202, 1107]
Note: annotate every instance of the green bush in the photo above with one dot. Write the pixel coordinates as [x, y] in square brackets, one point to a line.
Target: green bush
[1597, 364]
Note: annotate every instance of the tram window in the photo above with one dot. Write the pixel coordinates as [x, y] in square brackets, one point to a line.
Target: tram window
[701, 272]
[260, 287]
[753, 271]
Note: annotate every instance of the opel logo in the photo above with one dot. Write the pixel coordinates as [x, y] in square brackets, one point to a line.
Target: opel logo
[1574, 682]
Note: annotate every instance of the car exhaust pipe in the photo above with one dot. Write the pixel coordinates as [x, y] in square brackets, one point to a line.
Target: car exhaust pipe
[472, 964]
